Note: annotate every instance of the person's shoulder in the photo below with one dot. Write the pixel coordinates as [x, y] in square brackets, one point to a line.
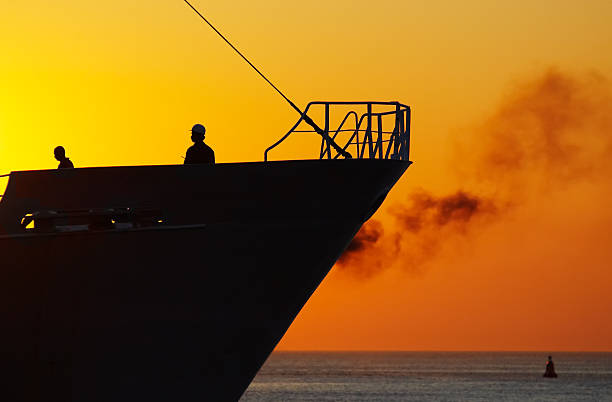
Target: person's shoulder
[65, 164]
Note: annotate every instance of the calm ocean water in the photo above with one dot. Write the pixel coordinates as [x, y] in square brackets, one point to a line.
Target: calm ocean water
[431, 376]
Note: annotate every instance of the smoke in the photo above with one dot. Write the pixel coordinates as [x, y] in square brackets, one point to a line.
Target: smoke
[547, 133]
[552, 129]
[427, 211]
[367, 236]
[422, 224]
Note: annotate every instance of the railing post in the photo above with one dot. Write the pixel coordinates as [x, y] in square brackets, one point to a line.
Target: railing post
[399, 118]
[327, 129]
[408, 120]
[379, 139]
[369, 133]
[371, 140]
[357, 125]
[399, 146]
[324, 144]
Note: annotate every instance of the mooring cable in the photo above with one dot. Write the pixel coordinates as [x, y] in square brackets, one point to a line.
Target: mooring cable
[304, 116]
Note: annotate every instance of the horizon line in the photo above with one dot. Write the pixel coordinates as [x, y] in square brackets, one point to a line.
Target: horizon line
[438, 351]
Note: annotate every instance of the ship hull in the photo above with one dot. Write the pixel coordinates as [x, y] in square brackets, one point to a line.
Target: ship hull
[185, 312]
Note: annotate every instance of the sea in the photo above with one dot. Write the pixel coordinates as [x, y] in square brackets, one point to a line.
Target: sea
[431, 376]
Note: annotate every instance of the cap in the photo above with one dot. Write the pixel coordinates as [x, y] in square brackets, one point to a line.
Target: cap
[198, 129]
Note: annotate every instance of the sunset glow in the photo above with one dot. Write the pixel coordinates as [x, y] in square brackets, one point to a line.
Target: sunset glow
[528, 268]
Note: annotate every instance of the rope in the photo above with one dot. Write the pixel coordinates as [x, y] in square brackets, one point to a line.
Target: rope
[305, 117]
[243, 56]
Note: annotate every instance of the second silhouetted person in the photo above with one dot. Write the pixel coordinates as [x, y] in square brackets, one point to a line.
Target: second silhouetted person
[60, 155]
[199, 152]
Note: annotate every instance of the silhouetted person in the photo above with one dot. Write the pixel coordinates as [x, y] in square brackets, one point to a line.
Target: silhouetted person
[550, 369]
[60, 155]
[199, 152]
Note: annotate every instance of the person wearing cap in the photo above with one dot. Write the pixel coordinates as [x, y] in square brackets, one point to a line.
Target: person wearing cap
[60, 155]
[199, 152]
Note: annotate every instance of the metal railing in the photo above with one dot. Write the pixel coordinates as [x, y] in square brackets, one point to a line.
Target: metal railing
[380, 134]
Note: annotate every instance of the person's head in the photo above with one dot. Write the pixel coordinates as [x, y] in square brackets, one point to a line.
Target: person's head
[198, 133]
[60, 153]
[549, 357]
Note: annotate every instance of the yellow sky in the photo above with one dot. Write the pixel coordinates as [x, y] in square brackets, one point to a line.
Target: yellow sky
[121, 82]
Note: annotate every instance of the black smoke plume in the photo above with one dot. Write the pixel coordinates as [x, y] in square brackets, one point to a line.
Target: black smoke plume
[546, 133]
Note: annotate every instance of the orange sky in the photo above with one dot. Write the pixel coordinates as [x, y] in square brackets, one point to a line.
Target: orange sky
[121, 83]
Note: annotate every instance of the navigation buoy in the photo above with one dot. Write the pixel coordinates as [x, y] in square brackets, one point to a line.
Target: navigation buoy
[550, 369]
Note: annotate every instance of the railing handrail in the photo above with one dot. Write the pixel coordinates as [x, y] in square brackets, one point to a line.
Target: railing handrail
[399, 137]
[284, 137]
[380, 103]
[328, 149]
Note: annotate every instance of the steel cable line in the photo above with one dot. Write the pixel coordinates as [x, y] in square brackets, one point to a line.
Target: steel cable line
[304, 116]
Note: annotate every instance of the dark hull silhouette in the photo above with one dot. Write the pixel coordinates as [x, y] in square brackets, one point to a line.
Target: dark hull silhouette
[184, 310]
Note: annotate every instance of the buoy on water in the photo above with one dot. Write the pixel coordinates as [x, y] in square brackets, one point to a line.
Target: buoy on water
[550, 369]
